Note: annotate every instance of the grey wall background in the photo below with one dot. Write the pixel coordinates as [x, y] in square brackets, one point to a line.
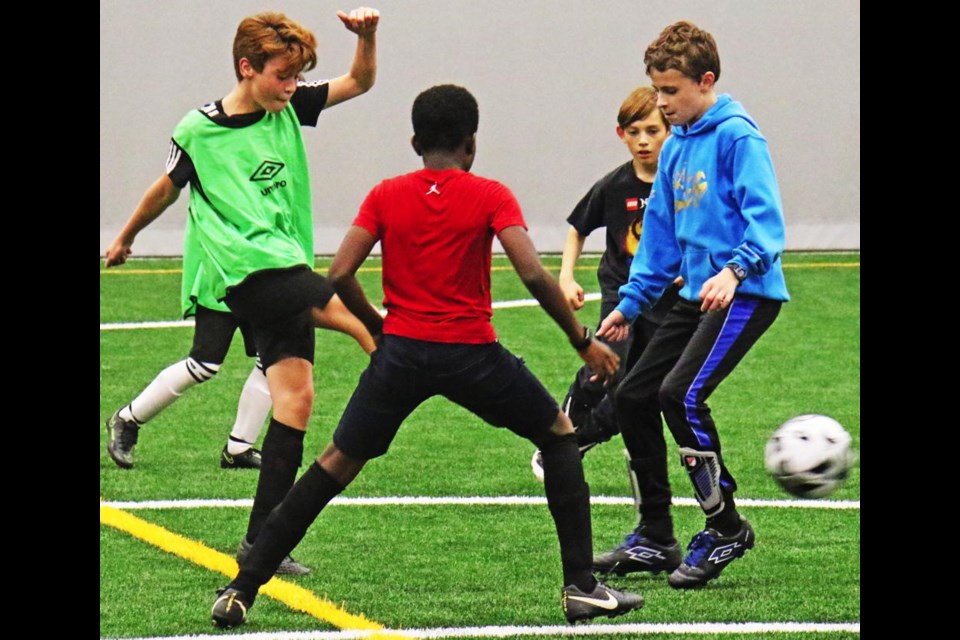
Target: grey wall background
[549, 76]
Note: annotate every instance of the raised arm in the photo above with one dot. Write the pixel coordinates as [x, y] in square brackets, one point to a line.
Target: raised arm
[363, 71]
[568, 283]
[158, 197]
[354, 249]
[523, 256]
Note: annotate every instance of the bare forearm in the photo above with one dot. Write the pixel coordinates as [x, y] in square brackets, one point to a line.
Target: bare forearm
[363, 70]
[354, 249]
[154, 202]
[548, 293]
[351, 294]
[523, 256]
[572, 249]
[364, 67]
[545, 289]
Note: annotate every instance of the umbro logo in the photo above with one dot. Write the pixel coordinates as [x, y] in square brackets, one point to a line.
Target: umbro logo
[724, 553]
[267, 170]
[645, 554]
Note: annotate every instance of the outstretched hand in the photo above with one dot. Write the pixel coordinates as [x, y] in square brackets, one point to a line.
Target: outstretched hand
[362, 21]
[614, 328]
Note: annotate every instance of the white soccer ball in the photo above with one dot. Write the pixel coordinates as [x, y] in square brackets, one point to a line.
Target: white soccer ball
[809, 456]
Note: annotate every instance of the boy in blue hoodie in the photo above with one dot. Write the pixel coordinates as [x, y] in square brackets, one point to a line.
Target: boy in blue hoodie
[715, 219]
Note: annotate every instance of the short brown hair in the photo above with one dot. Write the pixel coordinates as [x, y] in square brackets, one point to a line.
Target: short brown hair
[685, 47]
[641, 102]
[265, 35]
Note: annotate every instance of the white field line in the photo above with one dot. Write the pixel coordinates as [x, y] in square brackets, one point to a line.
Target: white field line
[552, 631]
[403, 501]
[173, 324]
[159, 324]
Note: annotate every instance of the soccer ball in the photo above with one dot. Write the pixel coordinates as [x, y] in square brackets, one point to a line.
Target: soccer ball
[809, 456]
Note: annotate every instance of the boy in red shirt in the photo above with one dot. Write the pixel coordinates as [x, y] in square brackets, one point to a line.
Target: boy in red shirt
[436, 229]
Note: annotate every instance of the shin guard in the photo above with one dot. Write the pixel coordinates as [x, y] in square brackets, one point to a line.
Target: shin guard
[704, 470]
[634, 481]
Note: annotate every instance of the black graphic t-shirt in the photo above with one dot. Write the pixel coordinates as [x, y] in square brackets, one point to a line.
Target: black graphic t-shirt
[617, 201]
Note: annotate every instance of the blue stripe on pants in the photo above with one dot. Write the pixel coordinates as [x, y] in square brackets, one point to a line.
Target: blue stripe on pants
[739, 313]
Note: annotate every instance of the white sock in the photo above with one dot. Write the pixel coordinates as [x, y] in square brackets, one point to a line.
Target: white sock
[169, 385]
[252, 411]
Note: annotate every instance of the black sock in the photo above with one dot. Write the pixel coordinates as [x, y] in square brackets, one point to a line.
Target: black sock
[285, 528]
[654, 484]
[282, 455]
[568, 498]
[657, 529]
[727, 522]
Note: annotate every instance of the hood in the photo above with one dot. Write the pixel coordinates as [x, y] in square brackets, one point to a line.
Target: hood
[726, 108]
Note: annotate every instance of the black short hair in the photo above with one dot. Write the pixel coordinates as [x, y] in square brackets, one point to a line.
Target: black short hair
[444, 116]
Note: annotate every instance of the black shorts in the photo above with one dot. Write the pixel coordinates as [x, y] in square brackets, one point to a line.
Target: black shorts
[213, 333]
[276, 304]
[483, 378]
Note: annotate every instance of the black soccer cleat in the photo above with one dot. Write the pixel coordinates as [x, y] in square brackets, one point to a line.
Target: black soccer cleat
[230, 608]
[602, 601]
[122, 436]
[638, 553]
[536, 465]
[577, 411]
[288, 566]
[249, 459]
[709, 553]
[592, 432]
[589, 432]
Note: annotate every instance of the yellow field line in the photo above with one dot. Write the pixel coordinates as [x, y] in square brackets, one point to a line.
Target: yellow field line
[292, 595]
[139, 272]
[824, 265]
[147, 272]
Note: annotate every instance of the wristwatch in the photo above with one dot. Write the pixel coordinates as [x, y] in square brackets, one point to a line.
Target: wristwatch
[587, 339]
[738, 271]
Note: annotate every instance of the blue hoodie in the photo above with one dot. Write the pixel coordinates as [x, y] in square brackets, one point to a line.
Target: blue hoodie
[715, 201]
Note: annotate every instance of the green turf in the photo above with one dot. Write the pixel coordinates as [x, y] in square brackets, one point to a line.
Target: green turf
[461, 566]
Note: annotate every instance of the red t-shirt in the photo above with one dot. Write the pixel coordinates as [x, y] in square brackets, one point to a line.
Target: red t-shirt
[436, 230]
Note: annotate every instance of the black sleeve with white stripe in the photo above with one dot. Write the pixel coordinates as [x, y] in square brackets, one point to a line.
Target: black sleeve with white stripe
[308, 101]
[180, 168]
